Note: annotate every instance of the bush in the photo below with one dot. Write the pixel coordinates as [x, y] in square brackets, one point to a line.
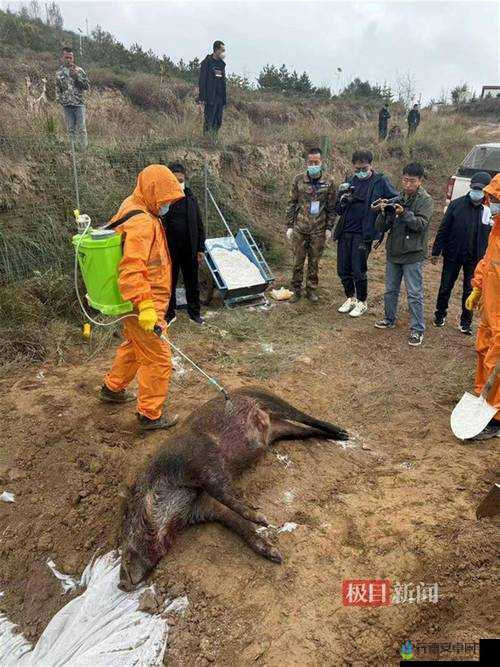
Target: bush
[101, 77]
[146, 91]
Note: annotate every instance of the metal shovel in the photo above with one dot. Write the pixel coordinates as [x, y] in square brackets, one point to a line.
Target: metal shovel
[473, 413]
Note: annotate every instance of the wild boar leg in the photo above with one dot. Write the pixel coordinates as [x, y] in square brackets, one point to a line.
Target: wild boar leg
[207, 509]
[278, 408]
[289, 430]
[225, 495]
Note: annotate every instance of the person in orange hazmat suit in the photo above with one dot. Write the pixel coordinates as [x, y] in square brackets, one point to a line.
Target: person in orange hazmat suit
[486, 295]
[144, 278]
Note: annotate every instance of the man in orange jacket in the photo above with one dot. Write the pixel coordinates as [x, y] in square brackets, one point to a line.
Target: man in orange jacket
[144, 278]
[486, 294]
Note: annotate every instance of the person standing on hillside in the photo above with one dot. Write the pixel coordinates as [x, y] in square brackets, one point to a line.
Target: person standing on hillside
[310, 217]
[407, 222]
[186, 242]
[383, 119]
[355, 230]
[145, 279]
[486, 295]
[413, 119]
[462, 239]
[212, 88]
[71, 82]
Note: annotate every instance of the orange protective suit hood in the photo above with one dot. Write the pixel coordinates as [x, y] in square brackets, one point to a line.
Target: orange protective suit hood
[156, 186]
[493, 188]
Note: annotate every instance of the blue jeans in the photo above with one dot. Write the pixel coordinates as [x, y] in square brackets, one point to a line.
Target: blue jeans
[75, 120]
[412, 274]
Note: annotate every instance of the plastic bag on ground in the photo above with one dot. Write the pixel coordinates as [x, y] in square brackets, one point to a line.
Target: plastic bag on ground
[100, 628]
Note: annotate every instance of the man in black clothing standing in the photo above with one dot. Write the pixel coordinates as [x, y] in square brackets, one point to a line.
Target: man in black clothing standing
[355, 230]
[186, 242]
[462, 239]
[413, 119]
[383, 117]
[212, 88]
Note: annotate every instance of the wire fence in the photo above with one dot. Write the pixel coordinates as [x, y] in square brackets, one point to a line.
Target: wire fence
[42, 181]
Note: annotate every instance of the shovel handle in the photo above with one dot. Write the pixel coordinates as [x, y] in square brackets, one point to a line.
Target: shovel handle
[490, 381]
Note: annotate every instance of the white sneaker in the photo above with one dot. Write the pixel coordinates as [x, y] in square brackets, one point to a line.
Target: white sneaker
[359, 309]
[348, 305]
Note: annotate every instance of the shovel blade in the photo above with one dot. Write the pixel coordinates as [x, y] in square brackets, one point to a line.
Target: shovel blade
[470, 416]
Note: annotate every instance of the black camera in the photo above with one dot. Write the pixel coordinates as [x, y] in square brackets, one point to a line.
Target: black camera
[390, 208]
[346, 188]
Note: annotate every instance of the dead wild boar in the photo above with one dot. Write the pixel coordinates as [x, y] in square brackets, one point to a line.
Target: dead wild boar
[190, 478]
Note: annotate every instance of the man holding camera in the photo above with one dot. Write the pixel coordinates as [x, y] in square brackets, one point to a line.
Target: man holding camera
[406, 219]
[355, 229]
[310, 216]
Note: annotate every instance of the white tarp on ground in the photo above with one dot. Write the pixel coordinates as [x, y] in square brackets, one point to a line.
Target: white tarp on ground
[235, 267]
[100, 628]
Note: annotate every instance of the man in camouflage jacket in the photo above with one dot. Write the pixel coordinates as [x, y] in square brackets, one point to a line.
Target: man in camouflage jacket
[71, 81]
[310, 219]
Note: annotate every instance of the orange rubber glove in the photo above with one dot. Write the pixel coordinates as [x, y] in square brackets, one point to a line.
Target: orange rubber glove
[147, 315]
[473, 299]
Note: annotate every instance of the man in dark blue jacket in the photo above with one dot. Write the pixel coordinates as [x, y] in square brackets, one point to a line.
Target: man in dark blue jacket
[355, 230]
[462, 239]
[212, 87]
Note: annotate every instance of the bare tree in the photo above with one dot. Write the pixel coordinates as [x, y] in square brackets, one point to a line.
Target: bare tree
[406, 89]
[54, 16]
[34, 9]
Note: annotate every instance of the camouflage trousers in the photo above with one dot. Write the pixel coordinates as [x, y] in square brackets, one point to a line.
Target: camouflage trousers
[306, 245]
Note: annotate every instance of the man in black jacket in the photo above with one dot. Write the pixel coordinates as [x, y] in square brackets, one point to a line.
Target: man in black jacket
[413, 119]
[186, 242]
[462, 239]
[355, 230]
[383, 118]
[212, 87]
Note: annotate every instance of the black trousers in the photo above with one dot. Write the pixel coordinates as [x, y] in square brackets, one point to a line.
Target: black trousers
[382, 131]
[183, 260]
[451, 271]
[352, 267]
[213, 117]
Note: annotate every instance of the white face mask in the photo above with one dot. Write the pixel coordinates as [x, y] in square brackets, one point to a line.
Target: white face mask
[164, 209]
[495, 208]
[183, 185]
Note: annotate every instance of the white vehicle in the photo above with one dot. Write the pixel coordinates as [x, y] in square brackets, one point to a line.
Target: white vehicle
[483, 157]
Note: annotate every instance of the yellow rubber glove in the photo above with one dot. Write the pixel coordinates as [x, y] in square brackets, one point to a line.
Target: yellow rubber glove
[147, 315]
[473, 299]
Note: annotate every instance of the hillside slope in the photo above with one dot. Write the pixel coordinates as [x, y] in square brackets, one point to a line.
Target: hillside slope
[251, 166]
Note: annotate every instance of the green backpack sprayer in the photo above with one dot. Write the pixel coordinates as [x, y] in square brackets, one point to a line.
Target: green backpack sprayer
[98, 253]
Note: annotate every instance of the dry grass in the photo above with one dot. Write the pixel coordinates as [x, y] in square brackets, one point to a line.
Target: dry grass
[259, 150]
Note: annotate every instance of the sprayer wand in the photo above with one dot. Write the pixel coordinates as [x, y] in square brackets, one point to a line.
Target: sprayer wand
[159, 332]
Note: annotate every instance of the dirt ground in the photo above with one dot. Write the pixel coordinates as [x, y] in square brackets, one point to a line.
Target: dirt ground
[398, 501]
